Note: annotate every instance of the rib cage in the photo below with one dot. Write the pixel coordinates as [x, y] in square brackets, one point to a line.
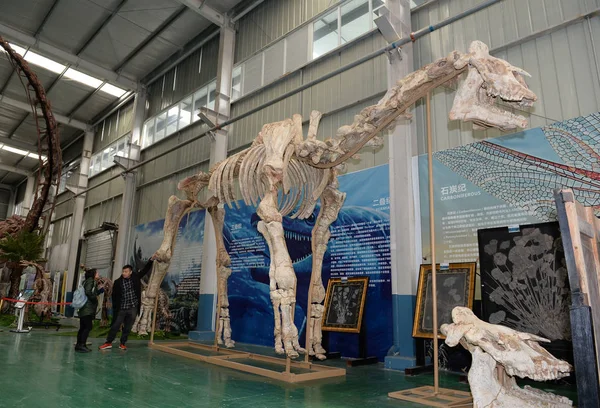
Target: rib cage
[303, 183]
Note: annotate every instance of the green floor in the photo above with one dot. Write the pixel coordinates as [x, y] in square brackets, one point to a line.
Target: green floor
[42, 369]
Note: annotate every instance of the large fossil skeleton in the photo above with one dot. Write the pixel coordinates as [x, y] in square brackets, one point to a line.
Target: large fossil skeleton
[283, 173]
[500, 353]
[49, 170]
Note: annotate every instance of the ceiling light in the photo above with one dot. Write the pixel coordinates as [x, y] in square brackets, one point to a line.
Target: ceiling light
[38, 60]
[113, 90]
[82, 78]
[19, 50]
[15, 150]
[36, 156]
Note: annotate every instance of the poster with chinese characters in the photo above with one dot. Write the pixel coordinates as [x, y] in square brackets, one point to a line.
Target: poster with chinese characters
[182, 282]
[507, 181]
[359, 246]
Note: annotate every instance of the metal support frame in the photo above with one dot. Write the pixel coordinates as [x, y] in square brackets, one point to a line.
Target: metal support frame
[416, 35]
[158, 31]
[218, 152]
[67, 57]
[209, 13]
[13, 169]
[128, 200]
[74, 123]
[79, 207]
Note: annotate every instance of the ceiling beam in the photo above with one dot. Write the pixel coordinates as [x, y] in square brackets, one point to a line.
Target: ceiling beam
[19, 145]
[158, 31]
[209, 13]
[63, 57]
[101, 27]
[46, 18]
[13, 169]
[74, 123]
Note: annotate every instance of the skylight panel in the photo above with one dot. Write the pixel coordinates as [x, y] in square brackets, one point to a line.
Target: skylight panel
[15, 150]
[82, 78]
[113, 90]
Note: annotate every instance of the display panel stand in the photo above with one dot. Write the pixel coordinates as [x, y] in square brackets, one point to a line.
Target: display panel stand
[240, 360]
[21, 307]
[427, 395]
[580, 232]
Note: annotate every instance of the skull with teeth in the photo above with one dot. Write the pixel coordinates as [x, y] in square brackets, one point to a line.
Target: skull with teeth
[488, 81]
[499, 353]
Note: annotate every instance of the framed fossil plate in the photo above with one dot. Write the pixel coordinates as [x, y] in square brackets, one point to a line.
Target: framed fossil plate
[345, 304]
[455, 287]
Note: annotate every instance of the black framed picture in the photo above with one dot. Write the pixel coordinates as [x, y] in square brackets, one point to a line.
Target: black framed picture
[345, 304]
[455, 287]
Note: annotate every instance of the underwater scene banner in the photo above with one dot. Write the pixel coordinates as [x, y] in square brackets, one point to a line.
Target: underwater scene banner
[359, 246]
[507, 181]
[182, 282]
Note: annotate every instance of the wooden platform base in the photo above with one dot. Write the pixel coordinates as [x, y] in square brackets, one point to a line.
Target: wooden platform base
[444, 398]
[231, 359]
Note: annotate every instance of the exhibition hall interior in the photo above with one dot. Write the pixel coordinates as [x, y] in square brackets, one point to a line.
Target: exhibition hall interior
[300, 203]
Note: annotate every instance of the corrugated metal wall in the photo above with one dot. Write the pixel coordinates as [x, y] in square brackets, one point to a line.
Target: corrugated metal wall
[192, 73]
[272, 20]
[113, 128]
[157, 180]
[564, 73]
[4, 203]
[565, 77]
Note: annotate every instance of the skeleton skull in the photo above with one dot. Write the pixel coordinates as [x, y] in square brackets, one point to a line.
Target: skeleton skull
[488, 79]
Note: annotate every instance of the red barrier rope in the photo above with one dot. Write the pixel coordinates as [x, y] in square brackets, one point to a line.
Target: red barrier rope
[36, 303]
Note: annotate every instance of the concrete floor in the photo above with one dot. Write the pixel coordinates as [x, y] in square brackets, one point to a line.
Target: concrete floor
[42, 369]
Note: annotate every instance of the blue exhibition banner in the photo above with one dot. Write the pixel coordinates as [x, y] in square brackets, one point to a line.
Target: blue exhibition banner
[359, 246]
[506, 182]
[182, 283]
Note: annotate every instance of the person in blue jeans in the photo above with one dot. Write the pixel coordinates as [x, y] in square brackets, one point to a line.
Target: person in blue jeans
[88, 311]
[126, 301]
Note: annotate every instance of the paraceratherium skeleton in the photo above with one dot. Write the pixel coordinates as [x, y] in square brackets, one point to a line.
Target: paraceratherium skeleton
[306, 170]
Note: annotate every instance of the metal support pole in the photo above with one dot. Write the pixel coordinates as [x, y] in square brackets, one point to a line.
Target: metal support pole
[128, 200]
[436, 384]
[79, 207]
[404, 227]
[218, 151]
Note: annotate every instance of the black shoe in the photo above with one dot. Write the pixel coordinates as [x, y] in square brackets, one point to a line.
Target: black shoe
[87, 348]
[81, 349]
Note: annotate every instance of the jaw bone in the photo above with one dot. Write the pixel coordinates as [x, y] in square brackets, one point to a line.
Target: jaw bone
[489, 80]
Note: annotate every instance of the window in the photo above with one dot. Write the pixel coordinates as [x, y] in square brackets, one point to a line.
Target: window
[236, 86]
[172, 118]
[343, 24]
[104, 159]
[161, 126]
[148, 135]
[212, 95]
[200, 100]
[325, 34]
[354, 20]
[185, 113]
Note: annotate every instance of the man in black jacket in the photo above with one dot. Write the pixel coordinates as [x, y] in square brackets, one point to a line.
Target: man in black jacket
[126, 303]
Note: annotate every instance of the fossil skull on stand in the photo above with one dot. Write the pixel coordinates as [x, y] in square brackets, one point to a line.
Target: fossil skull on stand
[304, 170]
[500, 353]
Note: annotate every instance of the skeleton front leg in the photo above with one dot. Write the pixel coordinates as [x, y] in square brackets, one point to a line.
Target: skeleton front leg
[223, 274]
[283, 289]
[162, 259]
[331, 202]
